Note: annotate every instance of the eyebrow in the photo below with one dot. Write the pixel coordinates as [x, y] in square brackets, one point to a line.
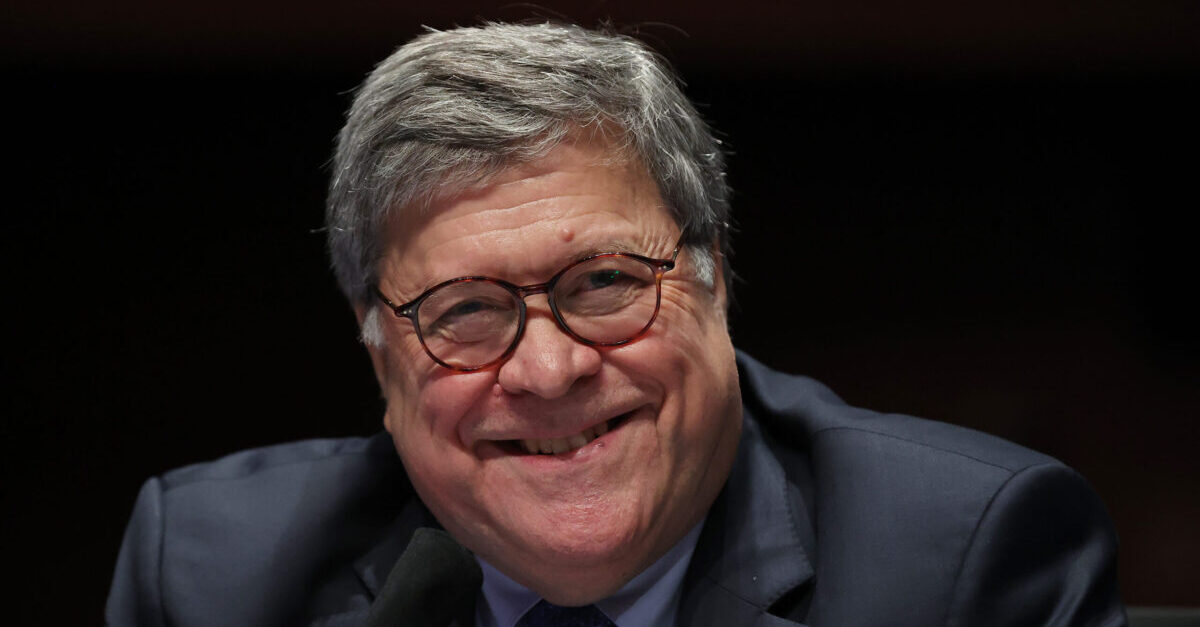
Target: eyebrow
[612, 246]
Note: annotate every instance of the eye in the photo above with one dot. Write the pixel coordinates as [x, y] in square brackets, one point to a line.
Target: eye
[599, 279]
[466, 308]
[467, 311]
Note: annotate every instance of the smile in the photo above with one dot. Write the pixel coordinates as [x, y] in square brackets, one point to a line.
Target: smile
[557, 446]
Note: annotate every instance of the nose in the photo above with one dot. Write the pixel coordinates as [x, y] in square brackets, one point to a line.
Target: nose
[547, 362]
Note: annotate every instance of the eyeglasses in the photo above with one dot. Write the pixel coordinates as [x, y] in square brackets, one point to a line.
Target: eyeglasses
[474, 322]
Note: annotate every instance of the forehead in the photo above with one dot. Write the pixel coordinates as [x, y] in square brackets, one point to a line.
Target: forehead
[531, 219]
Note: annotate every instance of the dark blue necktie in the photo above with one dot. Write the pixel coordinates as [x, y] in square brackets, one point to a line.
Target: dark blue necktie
[549, 615]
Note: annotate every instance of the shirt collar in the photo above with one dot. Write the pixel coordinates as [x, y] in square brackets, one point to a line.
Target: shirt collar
[649, 599]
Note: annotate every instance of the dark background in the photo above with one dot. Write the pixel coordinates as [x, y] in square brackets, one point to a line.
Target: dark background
[975, 213]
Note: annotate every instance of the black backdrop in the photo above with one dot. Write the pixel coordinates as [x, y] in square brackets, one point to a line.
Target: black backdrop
[979, 216]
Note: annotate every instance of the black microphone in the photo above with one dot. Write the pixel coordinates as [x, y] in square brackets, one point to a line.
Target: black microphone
[434, 581]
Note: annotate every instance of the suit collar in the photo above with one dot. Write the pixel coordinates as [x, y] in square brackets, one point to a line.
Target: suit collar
[756, 542]
[375, 565]
[754, 548]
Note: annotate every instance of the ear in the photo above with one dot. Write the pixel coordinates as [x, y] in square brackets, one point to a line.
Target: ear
[378, 354]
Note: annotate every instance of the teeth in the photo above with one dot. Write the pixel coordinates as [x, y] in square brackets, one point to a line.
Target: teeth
[562, 445]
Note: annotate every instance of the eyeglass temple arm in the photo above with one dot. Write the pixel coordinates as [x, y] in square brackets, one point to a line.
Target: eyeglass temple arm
[397, 309]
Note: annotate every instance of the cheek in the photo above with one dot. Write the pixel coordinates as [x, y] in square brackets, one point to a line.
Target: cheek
[434, 407]
[426, 408]
[409, 355]
[697, 365]
[687, 356]
[425, 430]
[693, 325]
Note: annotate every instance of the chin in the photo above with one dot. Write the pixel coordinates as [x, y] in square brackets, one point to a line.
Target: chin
[589, 533]
[581, 557]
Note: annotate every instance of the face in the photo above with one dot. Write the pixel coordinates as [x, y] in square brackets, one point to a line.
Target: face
[573, 526]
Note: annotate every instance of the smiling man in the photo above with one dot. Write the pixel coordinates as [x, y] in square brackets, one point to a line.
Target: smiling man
[570, 464]
[530, 223]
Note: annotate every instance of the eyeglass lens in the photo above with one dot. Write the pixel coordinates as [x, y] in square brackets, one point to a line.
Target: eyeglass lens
[605, 300]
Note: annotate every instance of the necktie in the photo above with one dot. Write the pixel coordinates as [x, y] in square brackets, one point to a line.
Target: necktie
[549, 615]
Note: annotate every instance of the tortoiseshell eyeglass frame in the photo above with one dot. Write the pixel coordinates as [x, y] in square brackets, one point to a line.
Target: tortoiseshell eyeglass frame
[520, 292]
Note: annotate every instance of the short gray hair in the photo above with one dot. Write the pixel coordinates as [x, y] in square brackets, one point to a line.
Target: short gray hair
[452, 108]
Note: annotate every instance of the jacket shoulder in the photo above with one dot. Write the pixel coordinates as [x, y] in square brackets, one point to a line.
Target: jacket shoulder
[928, 516]
[798, 408]
[291, 457]
[257, 530]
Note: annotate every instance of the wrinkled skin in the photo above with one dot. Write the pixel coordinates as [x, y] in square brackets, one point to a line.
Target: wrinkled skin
[572, 527]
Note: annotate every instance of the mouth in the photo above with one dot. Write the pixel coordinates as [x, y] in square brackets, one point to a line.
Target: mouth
[559, 446]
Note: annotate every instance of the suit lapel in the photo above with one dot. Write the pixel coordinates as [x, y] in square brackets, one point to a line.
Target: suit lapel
[376, 564]
[752, 553]
[755, 545]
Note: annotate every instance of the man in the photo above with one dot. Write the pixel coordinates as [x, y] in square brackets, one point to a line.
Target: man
[530, 224]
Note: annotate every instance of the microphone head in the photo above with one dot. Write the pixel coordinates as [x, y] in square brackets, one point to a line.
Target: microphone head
[433, 583]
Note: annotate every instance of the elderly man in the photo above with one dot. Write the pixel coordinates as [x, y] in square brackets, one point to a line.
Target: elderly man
[530, 224]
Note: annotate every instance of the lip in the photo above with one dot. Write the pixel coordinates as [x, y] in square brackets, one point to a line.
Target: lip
[511, 448]
[533, 427]
[588, 452]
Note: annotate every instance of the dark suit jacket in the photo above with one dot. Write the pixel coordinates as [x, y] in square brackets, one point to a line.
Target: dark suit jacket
[832, 516]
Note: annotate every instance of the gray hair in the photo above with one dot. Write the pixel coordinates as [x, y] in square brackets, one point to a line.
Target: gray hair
[452, 108]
